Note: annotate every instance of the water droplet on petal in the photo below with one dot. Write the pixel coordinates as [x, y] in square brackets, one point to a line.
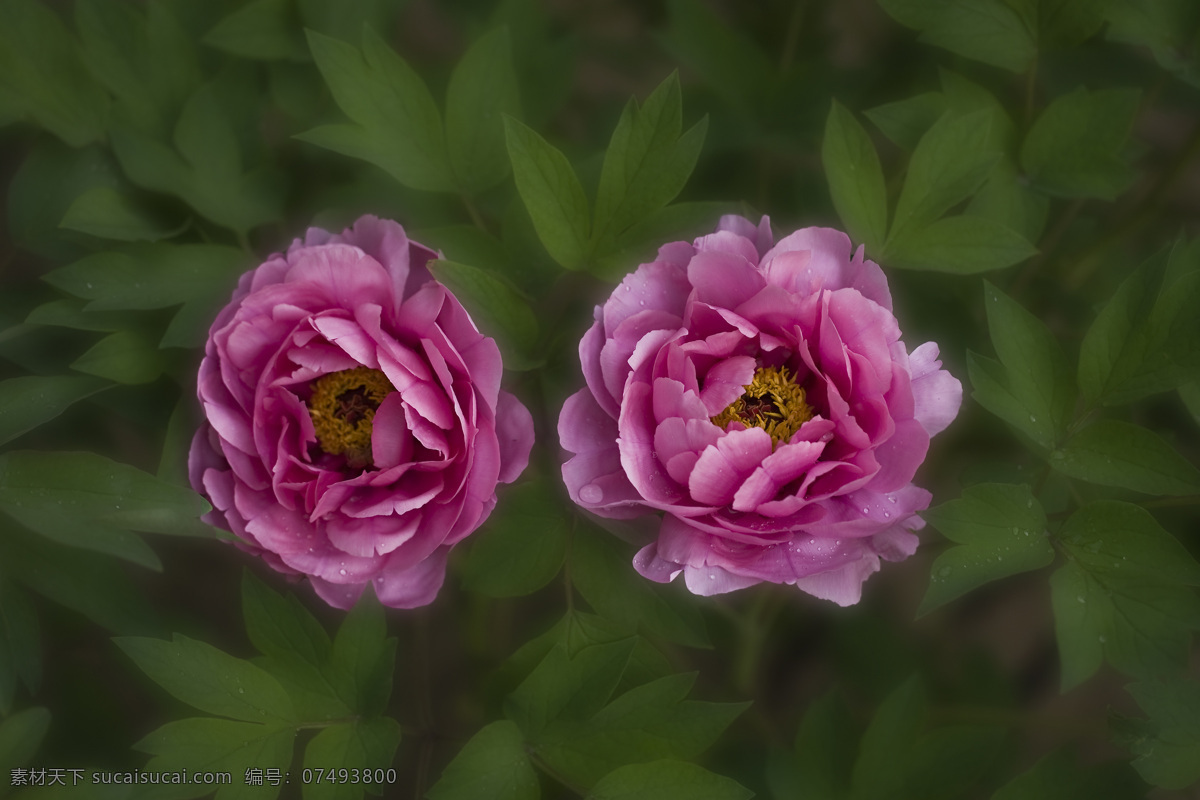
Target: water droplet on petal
[591, 493]
[891, 499]
[341, 572]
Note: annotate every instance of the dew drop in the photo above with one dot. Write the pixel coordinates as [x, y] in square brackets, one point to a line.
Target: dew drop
[341, 572]
[241, 690]
[892, 500]
[591, 493]
[1032, 418]
[887, 515]
[1103, 640]
[1015, 530]
[944, 572]
[1080, 598]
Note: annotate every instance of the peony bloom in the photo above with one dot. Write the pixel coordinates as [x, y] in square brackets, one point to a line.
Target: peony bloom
[355, 425]
[760, 396]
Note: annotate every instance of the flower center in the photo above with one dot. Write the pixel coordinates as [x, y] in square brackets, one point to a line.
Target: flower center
[773, 401]
[342, 408]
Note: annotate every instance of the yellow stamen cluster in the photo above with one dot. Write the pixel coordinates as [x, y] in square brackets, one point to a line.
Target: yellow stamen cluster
[342, 408]
[773, 401]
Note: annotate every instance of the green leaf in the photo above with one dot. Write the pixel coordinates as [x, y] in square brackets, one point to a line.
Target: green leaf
[41, 70]
[1144, 342]
[679, 221]
[49, 179]
[951, 162]
[1001, 530]
[962, 245]
[365, 745]
[855, 178]
[208, 679]
[20, 737]
[75, 530]
[1074, 148]
[205, 167]
[1114, 453]
[90, 487]
[280, 626]
[950, 762]
[1007, 199]
[492, 764]
[666, 780]
[1169, 755]
[20, 644]
[726, 58]
[1162, 25]
[482, 89]
[397, 125]
[221, 745]
[649, 722]
[522, 545]
[265, 30]
[362, 660]
[600, 570]
[146, 60]
[496, 308]
[111, 214]
[1122, 595]
[82, 582]
[883, 754]
[983, 30]
[122, 357]
[906, 121]
[568, 685]
[1057, 777]
[345, 20]
[1033, 391]
[647, 162]
[29, 401]
[552, 194]
[70, 313]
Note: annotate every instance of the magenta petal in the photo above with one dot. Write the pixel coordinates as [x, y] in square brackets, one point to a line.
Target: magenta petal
[842, 585]
[724, 280]
[439, 444]
[415, 586]
[937, 395]
[514, 432]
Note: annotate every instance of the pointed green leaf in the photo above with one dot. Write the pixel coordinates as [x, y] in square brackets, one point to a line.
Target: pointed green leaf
[600, 570]
[494, 764]
[89, 486]
[31, 400]
[666, 780]
[208, 679]
[1002, 531]
[963, 245]
[266, 30]
[855, 179]
[826, 746]
[20, 644]
[950, 163]
[397, 125]
[552, 194]
[906, 121]
[1169, 756]
[482, 89]
[983, 30]
[1115, 453]
[648, 722]
[647, 162]
[1122, 595]
[1036, 373]
[41, 70]
[522, 545]
[110, 214]
[122, 357]
[221, 745]
[362, 660]
[883, 754]
[1074, 148]
[363, 747]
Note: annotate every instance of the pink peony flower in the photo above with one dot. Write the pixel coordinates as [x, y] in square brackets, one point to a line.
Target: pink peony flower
[356, 428]
[762, 398]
